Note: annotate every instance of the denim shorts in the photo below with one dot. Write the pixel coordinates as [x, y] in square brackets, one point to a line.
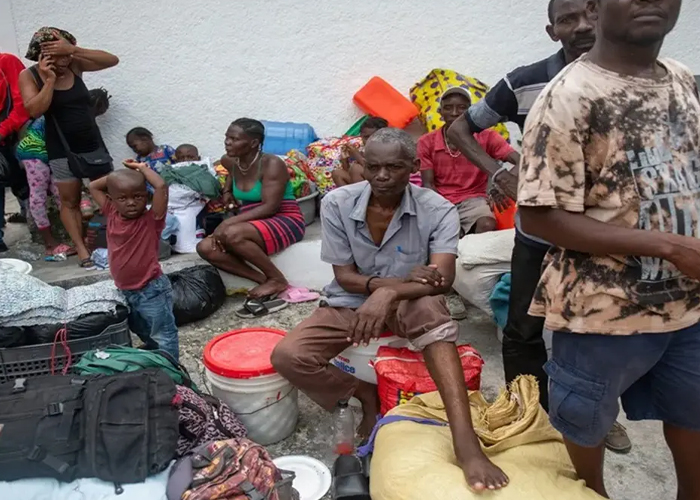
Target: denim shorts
[657, 376]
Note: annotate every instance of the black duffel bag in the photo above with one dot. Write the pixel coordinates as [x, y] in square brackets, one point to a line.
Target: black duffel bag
[87, 325]
[120, 428]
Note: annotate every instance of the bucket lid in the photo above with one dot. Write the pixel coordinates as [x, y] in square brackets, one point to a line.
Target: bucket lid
[243, 353]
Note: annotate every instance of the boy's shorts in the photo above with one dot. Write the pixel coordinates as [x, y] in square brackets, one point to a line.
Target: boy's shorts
[471, 210]
[657, 375]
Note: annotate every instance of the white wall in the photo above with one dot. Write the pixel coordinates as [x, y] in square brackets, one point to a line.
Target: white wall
[189, 67]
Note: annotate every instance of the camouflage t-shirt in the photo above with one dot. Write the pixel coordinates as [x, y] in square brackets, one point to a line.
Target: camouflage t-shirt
[624, 151]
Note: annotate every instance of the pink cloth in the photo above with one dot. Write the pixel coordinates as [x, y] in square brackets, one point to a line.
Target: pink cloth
[39, 180]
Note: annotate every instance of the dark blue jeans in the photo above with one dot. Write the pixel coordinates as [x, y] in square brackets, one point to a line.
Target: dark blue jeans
[151, 316]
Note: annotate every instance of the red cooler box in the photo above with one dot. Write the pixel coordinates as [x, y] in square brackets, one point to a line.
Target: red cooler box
[378, 98]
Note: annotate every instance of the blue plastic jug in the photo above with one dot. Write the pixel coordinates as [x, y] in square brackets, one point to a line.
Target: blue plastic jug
[281, 137]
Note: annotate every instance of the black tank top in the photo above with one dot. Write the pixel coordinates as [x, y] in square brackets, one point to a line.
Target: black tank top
[72, 111]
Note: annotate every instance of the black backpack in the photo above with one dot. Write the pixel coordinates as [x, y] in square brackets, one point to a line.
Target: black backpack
[121, 428]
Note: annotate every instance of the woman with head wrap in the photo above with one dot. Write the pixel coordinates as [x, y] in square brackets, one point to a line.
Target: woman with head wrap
[55, 88]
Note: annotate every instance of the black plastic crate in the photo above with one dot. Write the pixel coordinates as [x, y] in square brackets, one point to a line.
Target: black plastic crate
[35, 360]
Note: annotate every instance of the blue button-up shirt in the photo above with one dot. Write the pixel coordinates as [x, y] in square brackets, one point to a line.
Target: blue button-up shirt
[424, 224]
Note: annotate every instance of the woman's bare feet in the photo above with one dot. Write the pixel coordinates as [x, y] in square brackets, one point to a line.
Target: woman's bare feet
[368, 396]
[270, 287]
[481, 474]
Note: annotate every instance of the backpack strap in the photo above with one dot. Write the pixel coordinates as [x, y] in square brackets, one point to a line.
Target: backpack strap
[39, 455]
[251, 491]
[187, 380]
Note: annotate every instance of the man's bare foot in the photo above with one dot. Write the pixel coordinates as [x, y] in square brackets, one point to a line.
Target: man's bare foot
[481, 474]
[270, 287]
[368, 396]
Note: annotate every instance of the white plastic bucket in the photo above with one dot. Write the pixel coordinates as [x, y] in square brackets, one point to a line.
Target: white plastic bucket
[268, 405]
[356, 360]
[238, 367]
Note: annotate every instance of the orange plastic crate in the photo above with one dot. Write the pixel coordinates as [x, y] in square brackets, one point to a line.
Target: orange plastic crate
[378, 98]
[506, 219]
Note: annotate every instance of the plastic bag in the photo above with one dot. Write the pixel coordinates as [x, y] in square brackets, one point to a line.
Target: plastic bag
[402, 374]
[198, 292]
[83, 327]
[12, 336]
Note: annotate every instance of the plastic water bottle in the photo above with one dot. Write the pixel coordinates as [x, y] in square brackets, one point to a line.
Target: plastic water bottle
[343, 429]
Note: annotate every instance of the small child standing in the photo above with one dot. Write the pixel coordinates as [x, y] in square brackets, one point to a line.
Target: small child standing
[133, 234]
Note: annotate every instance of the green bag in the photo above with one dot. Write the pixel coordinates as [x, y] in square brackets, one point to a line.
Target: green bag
[116, 359]
[356, 127]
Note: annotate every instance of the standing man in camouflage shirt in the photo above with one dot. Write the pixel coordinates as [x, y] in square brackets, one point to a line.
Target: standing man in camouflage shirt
[610, 175]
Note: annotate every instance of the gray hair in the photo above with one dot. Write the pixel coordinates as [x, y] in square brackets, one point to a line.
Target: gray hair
[395, 136]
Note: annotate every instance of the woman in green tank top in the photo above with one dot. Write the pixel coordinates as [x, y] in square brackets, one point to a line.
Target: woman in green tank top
[267, 222]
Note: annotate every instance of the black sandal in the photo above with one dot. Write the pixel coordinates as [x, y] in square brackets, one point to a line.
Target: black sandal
[257, 308]
[17, 218]
[87, 264]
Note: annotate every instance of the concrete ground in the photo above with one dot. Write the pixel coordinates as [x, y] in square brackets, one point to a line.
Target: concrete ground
[644, 474]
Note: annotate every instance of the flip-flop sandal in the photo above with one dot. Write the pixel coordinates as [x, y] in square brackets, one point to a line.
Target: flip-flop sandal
[295, 295]
[257, 308]
[87, 264]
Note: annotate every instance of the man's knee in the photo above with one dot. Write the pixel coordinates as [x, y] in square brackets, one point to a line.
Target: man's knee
[285, 359]
[204, 248]
[484, 225]
[429, 306]
[426, 320]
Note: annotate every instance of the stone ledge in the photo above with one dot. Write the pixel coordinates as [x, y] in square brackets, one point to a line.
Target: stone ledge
[300, 263]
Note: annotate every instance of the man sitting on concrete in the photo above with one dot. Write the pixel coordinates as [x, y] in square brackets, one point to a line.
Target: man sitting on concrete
[393, 248]
[446, 170]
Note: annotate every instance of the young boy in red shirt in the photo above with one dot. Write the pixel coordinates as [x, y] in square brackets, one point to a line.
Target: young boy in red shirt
[133, 234]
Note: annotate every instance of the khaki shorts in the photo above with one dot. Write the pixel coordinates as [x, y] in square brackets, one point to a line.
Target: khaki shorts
[471, 210]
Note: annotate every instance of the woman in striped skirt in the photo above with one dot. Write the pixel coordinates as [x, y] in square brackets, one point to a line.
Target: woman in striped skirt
[267, 221]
